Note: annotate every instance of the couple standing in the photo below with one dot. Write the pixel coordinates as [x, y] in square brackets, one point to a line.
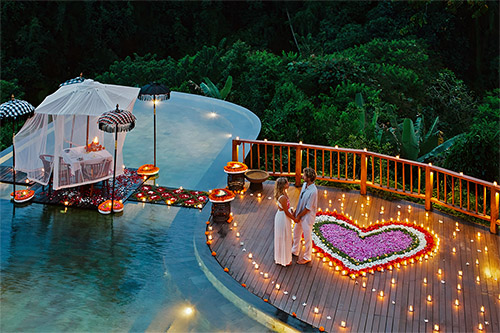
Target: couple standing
[304, 218]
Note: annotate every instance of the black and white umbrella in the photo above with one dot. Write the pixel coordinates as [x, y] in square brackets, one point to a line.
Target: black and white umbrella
[11, 111]
[113, 122]
[154, 92]
[78, 79]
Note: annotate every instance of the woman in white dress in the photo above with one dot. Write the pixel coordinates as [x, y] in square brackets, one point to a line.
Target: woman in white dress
[282, 224]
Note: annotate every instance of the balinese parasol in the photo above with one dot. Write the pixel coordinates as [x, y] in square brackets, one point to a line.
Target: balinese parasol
[116, 121]
[78, 79]
[13, 110]
[154, 92]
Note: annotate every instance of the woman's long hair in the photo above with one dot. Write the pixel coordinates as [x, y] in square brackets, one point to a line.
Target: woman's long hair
[279, 187]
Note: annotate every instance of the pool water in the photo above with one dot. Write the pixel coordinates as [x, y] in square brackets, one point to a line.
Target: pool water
[76, 270]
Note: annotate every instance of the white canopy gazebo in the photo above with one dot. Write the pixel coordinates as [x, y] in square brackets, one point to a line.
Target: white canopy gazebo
[53, 141]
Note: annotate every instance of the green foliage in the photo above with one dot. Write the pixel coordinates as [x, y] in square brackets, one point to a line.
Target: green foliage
[477, 153]
[8, 88]
[452, 101]
[211, 89]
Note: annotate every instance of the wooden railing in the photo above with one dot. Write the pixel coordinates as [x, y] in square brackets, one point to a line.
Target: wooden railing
[433, 184]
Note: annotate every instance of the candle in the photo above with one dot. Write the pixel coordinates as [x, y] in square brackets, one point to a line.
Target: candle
[250, 255]
[363, 284]
[459, 287]
[460, 273]
[210, 228]
[480, 326]
[425, 280]
[454, 250]
[237, 234]
[477, 261]
[256, 266]
[485, 249]
[342, 324]
[316, 310]
[436, 327]
[478, 279]
[482, 309]
[277, 286]
[266, 275]
[393, 281]
[429, 298]
[381, 294]
[439, 271]
[410, 308]
[456, 302]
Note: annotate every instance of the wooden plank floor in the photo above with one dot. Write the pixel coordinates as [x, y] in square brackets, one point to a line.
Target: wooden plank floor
[6, 176]
[340, 298]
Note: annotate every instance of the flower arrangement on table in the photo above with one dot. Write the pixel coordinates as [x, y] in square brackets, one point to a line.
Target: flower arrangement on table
[235, 167]
[220, 195]
[94, 146]
[177, 197]
[22, 195]
[357, 250]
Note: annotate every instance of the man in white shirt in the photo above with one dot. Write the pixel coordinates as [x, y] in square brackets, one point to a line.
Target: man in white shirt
[306, 215]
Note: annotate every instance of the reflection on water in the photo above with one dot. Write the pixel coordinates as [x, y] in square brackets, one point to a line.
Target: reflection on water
[78, 270]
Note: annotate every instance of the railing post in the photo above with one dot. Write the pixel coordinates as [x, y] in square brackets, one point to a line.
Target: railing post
[298, 166]
[364, 161]
[494, 210]
[428, 187]
[235, 150]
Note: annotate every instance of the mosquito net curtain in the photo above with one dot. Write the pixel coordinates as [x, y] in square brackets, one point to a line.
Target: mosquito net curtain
[39, 145]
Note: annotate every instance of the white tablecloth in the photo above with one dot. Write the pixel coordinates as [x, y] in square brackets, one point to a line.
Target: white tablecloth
[76, 156]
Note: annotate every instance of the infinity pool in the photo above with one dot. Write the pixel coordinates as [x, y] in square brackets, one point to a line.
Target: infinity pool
[76, 270]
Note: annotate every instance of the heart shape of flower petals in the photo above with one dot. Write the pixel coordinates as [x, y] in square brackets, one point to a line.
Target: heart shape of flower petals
[357, 249]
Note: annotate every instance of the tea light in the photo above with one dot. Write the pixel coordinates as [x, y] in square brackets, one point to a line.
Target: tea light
[250, 255]
[485, 249]
[330, 264]
[456, 302]
[210, 228]
[480, 326]
[439, 271]
[454, 234]
[482, 309]
[393, 281]
[235, 224]
[410, 308]
[425, 280]
[460, 273]
[363, 284]
[266, 275]
[316, 310]
[478, 234]
[436, 327]
[256, 266]
[459, 287]
[209, 237]
[237, 234]
[454, 250]
[342, 324]
[277, 286]
[478, 279]
[429, 298]
[381, 294]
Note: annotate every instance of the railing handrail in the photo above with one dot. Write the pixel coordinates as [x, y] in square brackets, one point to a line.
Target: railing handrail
[430, 171]
[370, 153]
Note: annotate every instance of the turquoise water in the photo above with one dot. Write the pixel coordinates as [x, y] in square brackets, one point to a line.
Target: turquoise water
[77, 270]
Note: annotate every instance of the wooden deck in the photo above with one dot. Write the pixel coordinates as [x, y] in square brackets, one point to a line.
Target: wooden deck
[340, 298]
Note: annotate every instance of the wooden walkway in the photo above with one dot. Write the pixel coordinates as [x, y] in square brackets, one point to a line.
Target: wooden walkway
[6, 176]
[340, 298]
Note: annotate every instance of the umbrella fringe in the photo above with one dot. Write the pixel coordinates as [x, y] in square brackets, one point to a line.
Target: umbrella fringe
[163, 97]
